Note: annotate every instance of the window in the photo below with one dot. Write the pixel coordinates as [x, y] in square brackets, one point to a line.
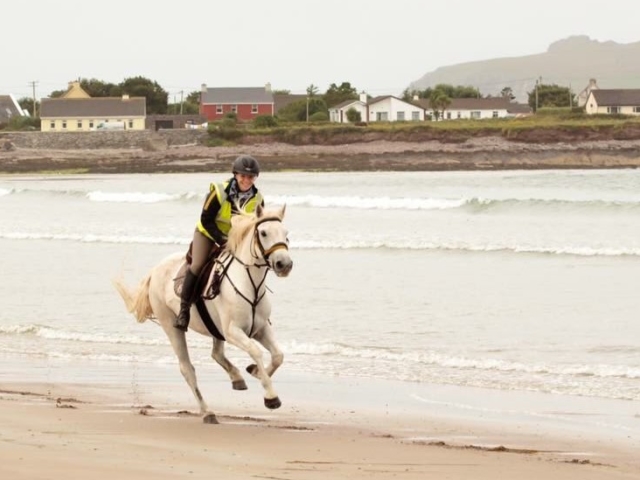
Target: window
[636, 109]
[401, 116]
[613, 109]
[52, 125]
[254, 108]
[218, 109]
[79, 124]
[91, 124]
[459, 115]
[234, 108]
[64, 124]
[448, 115]
[476, 114]
[130, 123]
[382, 116]
[415, 116]
[495, 114]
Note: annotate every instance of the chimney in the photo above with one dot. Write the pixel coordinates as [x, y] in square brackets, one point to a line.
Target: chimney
[416, 97]
[203, 88]
[267, 87]
[592, 82]
[363, 97]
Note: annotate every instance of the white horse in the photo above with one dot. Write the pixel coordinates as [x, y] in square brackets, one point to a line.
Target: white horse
[240, 312]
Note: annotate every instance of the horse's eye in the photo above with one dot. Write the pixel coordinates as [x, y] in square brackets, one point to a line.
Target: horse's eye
[263, 233]
[287, 240]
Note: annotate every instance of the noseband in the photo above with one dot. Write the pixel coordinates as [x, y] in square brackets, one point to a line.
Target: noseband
[266, 253]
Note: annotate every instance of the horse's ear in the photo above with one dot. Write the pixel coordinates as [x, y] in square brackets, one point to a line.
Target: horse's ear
[259, 211]
[284, 207]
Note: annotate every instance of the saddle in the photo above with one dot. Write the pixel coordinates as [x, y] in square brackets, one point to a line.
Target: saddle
[201, 285]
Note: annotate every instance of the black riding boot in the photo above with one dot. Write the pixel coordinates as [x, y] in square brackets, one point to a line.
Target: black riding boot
[186, 298]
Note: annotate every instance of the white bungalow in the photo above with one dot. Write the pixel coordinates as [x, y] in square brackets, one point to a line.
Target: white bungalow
[478, 108]
[338, 113]
[614, 101]
[380, 109]
[393, 109]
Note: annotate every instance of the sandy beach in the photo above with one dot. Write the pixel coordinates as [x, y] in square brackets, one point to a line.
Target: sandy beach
[57, 430]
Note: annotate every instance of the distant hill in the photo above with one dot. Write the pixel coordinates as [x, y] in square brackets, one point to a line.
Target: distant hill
[569, 62]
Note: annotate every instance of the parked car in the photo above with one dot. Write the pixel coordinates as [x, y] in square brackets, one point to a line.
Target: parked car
[111, 126]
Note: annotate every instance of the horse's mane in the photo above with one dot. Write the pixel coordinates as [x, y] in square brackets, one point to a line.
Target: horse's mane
[243, 223]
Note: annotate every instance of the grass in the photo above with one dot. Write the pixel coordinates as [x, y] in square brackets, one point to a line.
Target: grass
[327, 133]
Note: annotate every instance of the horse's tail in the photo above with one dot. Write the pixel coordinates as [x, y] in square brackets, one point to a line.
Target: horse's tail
[137, 302]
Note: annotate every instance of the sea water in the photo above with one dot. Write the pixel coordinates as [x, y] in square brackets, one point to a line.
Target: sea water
[505, 281]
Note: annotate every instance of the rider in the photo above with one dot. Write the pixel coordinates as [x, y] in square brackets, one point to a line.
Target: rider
[215, 223]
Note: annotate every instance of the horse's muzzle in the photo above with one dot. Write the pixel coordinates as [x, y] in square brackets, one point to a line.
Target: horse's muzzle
[282, 267]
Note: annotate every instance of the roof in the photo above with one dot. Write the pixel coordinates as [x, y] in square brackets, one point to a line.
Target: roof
[93, 107]
[385, 97]
[237, 95]
[629, 97]
[9, 108]
[346, 103]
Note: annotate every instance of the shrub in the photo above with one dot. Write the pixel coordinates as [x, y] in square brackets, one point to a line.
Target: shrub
[319, 117]
[232, 116]
[265, 121]
[354, 115]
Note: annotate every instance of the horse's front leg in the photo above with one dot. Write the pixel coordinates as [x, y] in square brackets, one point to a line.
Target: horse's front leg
[237, 381]
[237, 337]
[267, 339]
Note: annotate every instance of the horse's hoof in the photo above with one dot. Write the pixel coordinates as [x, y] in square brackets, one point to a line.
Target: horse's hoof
[253, 369]
[272, 403]
[239, 385]
[210, 418]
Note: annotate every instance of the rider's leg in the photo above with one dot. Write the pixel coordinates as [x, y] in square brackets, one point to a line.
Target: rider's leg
[199, 253]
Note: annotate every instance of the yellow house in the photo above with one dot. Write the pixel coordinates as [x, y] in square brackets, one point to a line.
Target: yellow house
[609, 101]
[76, 111]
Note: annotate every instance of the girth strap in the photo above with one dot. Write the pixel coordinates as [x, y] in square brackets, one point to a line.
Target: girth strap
[207, 320]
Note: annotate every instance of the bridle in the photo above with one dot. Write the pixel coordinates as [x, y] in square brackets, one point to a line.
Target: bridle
[264, 254]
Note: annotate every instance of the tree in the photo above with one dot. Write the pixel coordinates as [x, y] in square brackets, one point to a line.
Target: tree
[354, 115]
[297, 111]
[281, 92]
[312, 91]
[451, 91]
[507, 92]
[549, 96]
[439, 101]
[26, 103]
[337, 94]
[143, 87]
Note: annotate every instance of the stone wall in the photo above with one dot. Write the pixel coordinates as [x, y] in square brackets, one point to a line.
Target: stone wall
[143, 139]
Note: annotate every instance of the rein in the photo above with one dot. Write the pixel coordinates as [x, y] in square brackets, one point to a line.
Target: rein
[264, 255]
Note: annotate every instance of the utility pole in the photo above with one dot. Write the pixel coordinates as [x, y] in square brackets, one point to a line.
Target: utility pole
[181, 100]
[33, 86]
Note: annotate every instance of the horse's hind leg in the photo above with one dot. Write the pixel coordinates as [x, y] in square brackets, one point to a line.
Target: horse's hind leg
[240, 339]
[237, 381]
[179, 344]
[268, 341]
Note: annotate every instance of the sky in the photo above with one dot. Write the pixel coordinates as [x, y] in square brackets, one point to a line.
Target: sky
[379, 46]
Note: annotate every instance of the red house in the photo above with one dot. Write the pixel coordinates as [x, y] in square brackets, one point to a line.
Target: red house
[246, 102]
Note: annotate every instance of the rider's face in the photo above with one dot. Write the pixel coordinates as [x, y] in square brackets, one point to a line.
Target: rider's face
[245, 182]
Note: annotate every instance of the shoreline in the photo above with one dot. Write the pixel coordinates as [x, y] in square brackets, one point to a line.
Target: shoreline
[59, 429]
[487, 153]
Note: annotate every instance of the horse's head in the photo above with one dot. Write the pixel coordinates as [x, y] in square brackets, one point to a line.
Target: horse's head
[271, 240]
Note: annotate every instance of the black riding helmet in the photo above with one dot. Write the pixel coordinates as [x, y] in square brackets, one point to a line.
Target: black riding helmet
[246, 164]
